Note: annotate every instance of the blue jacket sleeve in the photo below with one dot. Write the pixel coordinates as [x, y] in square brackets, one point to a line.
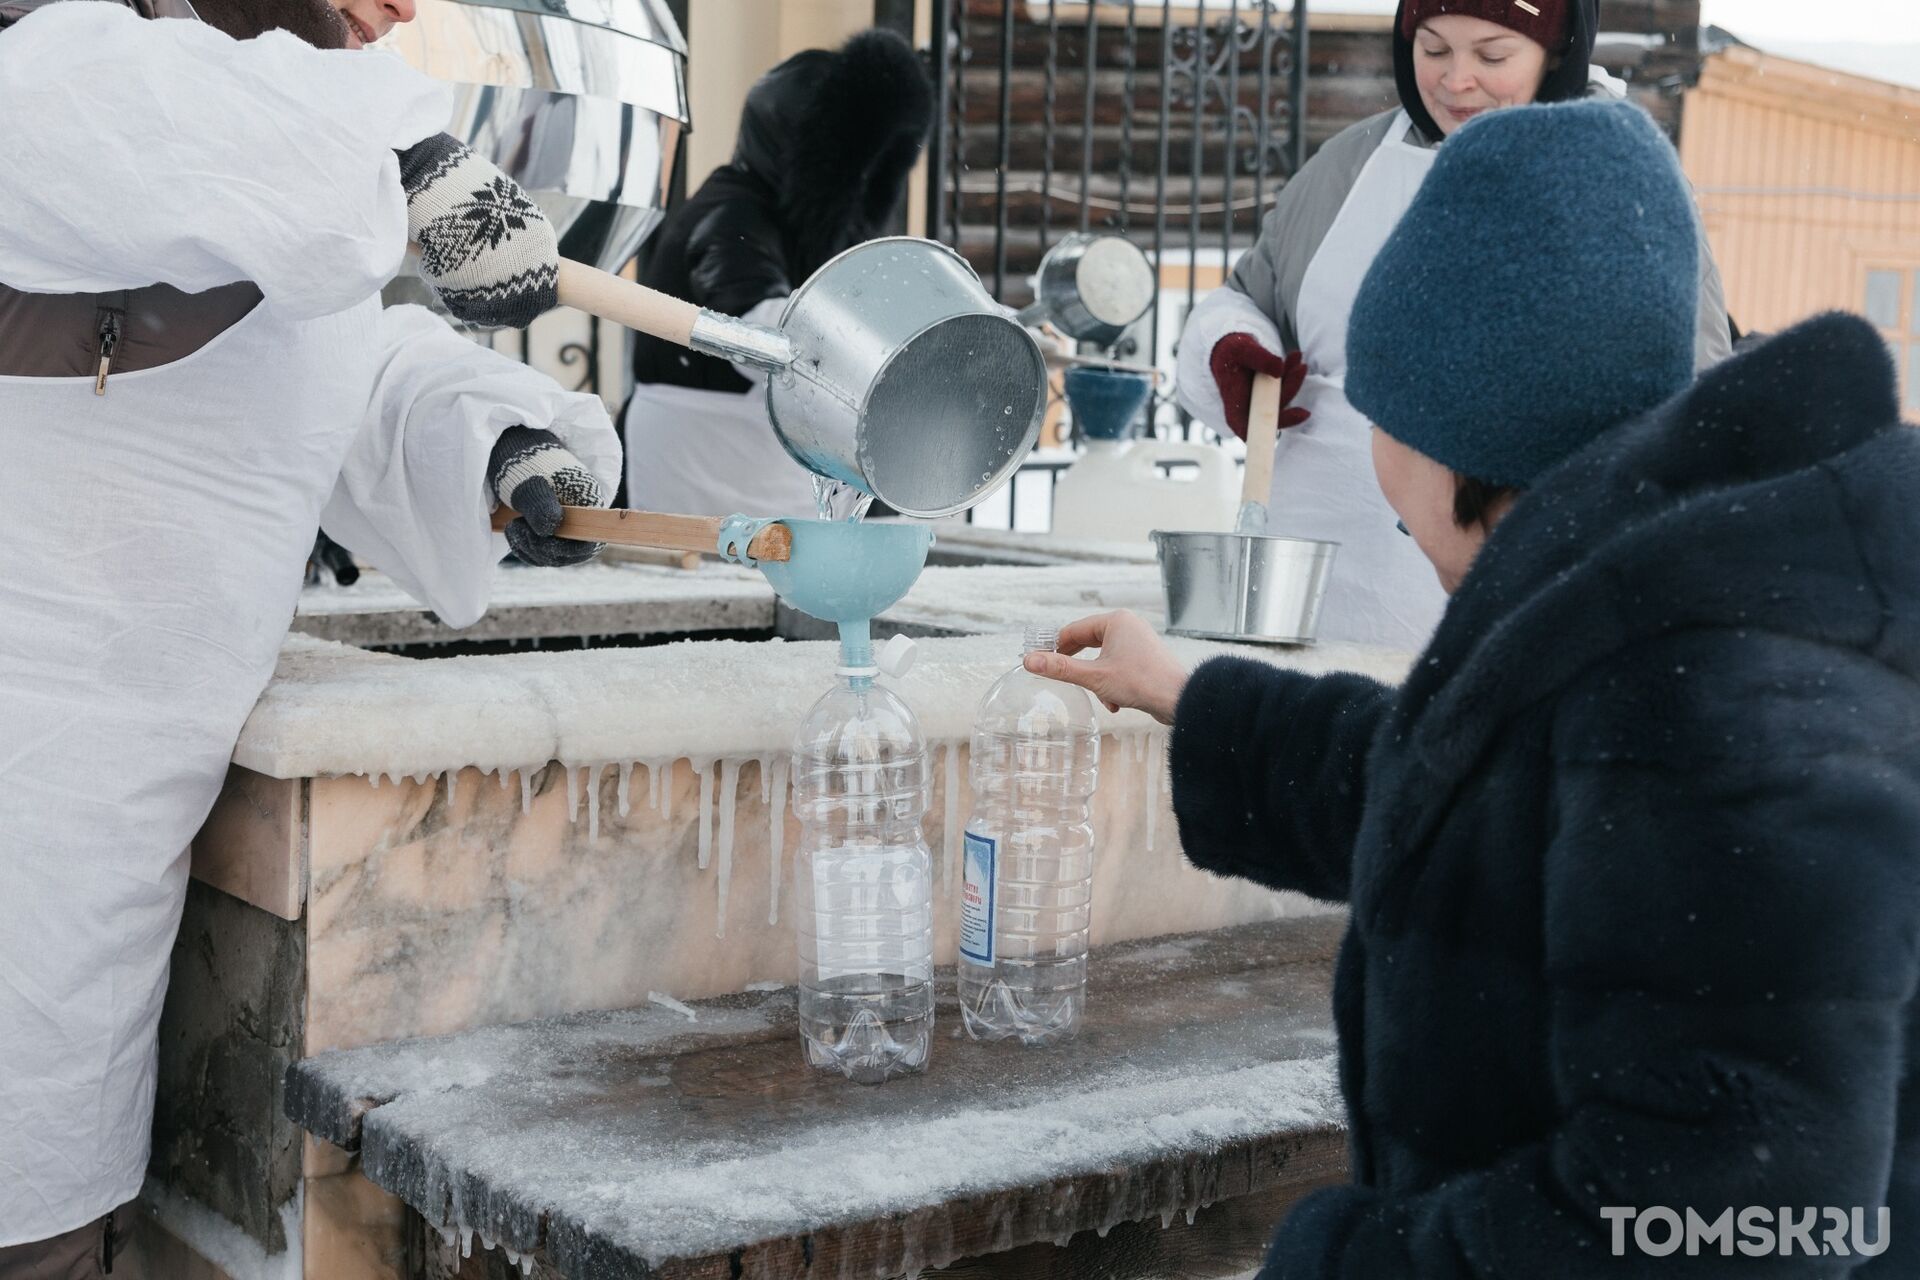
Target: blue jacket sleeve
[1732, 944]
[1269, 772]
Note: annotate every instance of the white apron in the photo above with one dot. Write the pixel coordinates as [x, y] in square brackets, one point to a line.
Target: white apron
[152, 539]
[152, 563]
[709, 453]
[1383, 590]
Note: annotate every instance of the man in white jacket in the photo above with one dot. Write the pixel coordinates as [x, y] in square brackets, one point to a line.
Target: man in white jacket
[158, 505]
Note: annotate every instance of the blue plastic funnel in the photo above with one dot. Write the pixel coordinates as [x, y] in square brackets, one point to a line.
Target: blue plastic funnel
[841, 572]
[1105, 402]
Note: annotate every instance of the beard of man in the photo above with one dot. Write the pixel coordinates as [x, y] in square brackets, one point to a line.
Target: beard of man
[315, 21]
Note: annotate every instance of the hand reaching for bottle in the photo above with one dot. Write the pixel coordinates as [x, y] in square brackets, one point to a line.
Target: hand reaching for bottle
[1135, 667]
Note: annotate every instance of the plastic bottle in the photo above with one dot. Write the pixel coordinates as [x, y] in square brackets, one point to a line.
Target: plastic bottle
[1027, 895]
[863, 882]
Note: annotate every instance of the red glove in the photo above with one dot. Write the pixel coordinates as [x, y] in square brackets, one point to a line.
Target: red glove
[1235, 359]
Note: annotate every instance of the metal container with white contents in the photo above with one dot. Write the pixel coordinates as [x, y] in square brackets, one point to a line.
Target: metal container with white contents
[906, 380]
[1231, 586]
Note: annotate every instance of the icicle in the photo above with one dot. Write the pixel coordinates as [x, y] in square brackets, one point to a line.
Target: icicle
[766, 779]
[466, 1242]
[666, 794]
[729, 787]
[526, 791]
[506, 776]
[668, 1002]
[374, 778]
[949, 849]
[626, 783]
[1152, 789]
[573, 796]
[706, 814]
[593, 803]
[776, 834]
[452, 776]
[653, 785]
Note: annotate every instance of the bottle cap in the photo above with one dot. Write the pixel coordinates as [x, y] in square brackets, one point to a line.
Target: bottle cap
[896, 657]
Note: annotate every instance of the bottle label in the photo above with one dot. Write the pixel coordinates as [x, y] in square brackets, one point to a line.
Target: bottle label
[976, 899]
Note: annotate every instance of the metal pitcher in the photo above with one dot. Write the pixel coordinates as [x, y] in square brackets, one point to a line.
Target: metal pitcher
[912, 384]
[1091, 287]
[892, 369]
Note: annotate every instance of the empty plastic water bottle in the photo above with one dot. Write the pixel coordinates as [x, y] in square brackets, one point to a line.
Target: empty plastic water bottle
[863, 909]
[1027, 895]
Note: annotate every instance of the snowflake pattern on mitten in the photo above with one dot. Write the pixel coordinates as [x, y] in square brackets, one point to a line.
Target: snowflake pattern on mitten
[485, 247]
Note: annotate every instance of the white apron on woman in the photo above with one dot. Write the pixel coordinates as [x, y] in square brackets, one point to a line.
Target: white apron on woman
[154, 536]
[1383, 590]
[709, 453]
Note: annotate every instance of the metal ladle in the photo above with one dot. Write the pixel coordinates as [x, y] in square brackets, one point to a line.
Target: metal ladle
[893, 370]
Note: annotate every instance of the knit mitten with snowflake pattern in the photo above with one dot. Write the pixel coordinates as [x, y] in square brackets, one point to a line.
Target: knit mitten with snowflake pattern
[532, 472]
[485, 247]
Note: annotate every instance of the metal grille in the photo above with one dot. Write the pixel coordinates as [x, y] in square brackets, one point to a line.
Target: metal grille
[1172, 124]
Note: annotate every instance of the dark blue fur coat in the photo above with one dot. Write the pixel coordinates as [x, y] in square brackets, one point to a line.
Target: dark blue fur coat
[1633, 857]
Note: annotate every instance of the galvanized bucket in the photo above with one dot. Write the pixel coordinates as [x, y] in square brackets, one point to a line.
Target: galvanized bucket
[908, 381]
[1235, 586]
[1091, 287]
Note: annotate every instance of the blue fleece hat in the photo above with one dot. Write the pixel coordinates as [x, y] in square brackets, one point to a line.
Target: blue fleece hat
[1543, 286]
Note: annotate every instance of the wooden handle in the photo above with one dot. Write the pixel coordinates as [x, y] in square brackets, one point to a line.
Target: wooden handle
[628, 528]
[605, 295]
[1263, 433]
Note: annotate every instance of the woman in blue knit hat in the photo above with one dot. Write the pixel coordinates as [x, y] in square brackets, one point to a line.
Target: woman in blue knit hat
[1633, 857]
[1294, 289]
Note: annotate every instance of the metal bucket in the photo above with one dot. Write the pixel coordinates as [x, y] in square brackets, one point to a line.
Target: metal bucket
[1091, 287]
[907, 380]
[1233, 586]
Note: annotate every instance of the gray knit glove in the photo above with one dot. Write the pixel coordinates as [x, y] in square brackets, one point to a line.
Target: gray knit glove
[532, 472]
[485, 247]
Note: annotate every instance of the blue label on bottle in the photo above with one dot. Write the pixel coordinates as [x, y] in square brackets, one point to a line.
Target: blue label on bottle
[976, 899]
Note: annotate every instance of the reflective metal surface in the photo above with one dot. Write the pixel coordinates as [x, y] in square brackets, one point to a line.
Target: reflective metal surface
[908, 382]
[1226, 586]
[582, 102]
[1092, 287]
[740, 341]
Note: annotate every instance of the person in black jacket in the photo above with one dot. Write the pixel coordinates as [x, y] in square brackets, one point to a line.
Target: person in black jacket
[1632, 858]
[827, 141]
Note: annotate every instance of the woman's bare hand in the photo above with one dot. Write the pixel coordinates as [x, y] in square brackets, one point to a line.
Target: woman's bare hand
[1135, 668]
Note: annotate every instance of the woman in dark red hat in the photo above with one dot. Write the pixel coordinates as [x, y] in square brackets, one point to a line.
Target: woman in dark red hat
[1293, 291]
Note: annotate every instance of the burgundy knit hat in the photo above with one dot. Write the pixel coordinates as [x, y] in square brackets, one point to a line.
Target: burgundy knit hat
[1542, 21]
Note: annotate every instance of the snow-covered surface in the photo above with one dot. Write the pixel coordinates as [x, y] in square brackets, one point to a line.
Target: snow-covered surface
[998, 598]
[523, 587]
[238, 1255]
[335, 710]
[955, 535]
[473, 1059]
[641, 1135]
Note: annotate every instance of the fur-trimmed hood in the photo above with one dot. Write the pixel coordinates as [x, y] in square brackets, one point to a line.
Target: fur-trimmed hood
[835, 136]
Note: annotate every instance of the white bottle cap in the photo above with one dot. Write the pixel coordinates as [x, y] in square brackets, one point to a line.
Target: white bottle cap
[896, 657]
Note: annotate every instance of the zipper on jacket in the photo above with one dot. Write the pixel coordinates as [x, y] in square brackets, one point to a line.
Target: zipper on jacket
[111, 319]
